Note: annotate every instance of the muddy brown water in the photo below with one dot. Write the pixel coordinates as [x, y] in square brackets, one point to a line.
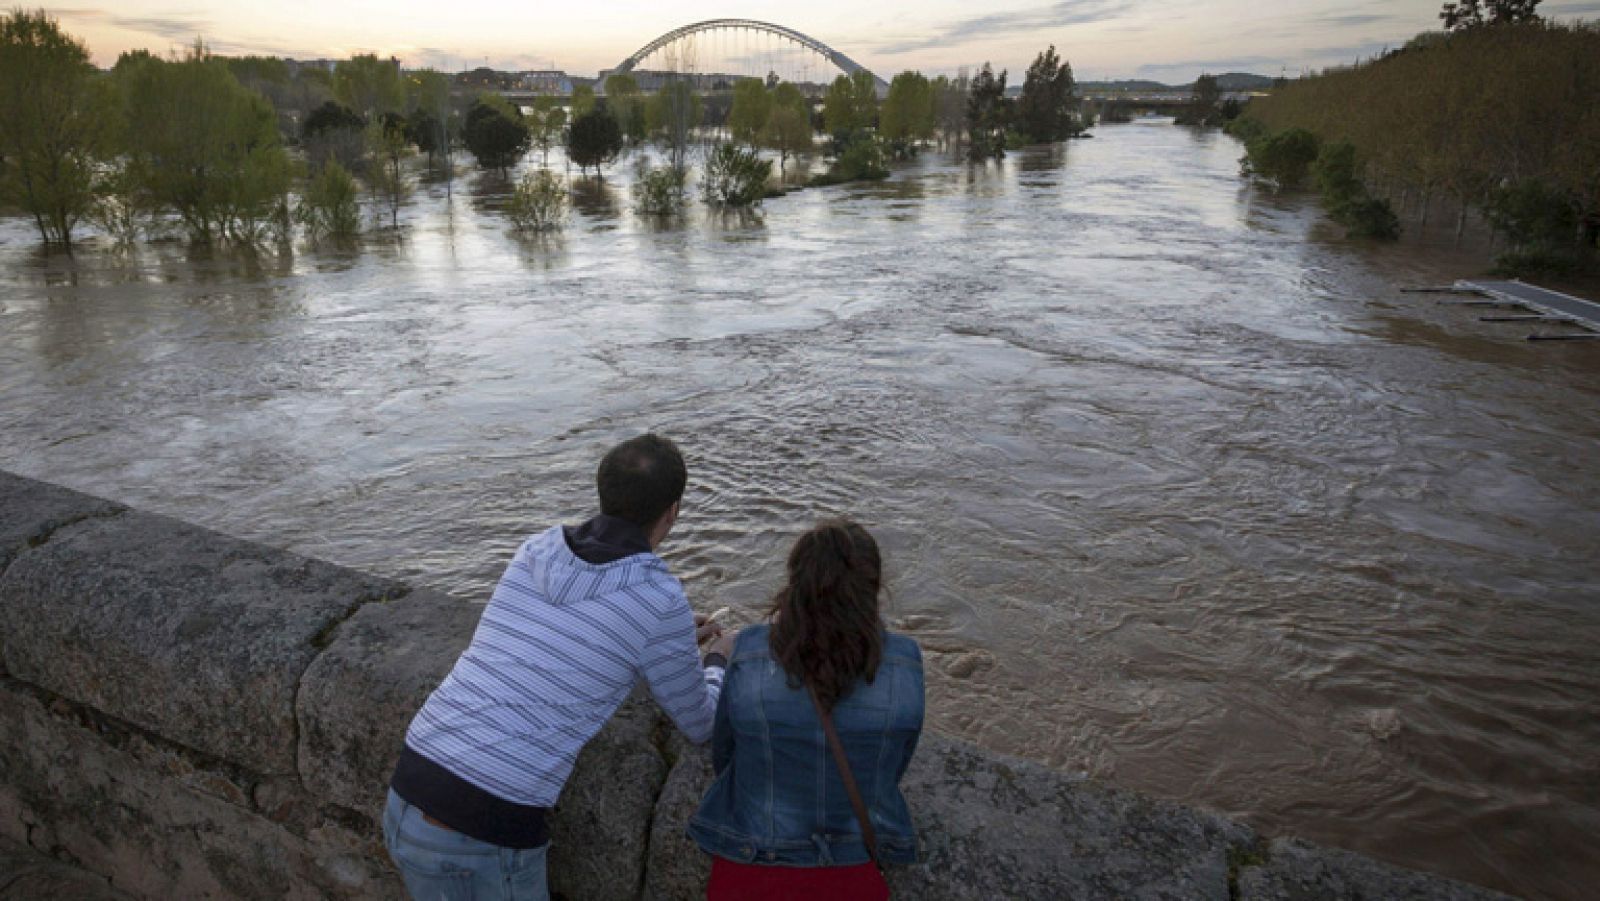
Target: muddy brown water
[1177, 488]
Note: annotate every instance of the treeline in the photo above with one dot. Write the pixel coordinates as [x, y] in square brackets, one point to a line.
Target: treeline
[249, 149]
[1501, 117]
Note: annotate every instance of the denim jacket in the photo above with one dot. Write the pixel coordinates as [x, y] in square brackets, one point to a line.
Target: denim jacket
[778, 798]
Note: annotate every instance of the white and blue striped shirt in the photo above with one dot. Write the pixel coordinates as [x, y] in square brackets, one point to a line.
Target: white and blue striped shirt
[558, 649]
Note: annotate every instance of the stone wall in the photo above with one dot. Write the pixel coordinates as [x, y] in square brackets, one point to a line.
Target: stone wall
[193, 716]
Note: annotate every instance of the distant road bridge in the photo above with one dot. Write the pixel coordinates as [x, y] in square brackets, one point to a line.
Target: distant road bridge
[1166, 101]
[844, 63]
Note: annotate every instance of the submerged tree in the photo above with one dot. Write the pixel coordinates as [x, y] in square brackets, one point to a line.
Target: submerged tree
[986, 115]
[548, 122]
[329, 206]
[206, 147]
[752, 107]
[54, 116]
[594, 140]
[495, 133]
[1047, 109]
[788, 128]
[626, 103]
[851, 103]
[673, 114]
[388, 145]
[907, 116]
[950, 107]
[333, 132]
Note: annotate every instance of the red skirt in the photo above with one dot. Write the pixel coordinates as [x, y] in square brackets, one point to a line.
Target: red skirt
[731, 881]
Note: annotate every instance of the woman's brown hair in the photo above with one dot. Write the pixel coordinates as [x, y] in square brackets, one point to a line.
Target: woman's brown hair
[827, 631]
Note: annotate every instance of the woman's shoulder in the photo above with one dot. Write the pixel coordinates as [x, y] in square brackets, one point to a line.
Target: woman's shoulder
[898, 645]
[752, 640]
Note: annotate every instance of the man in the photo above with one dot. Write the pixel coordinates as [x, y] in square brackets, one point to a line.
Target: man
[581, 615]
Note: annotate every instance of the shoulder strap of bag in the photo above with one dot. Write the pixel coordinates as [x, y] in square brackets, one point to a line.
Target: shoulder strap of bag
[843, 762]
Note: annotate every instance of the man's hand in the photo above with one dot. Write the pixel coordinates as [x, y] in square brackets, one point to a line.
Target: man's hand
[705, 629]
[724, 643]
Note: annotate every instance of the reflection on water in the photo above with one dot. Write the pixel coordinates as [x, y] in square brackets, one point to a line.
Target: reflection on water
[1176, 489]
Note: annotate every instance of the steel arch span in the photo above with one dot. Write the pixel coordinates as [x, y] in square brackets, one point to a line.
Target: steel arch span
[845, 64]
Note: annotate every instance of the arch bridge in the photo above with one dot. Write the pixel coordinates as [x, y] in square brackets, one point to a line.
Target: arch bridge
[844, 63]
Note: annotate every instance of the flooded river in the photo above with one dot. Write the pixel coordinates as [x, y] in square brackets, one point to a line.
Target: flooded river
[1178, 489]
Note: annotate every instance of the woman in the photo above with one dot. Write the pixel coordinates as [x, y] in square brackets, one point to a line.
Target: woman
[780, 820]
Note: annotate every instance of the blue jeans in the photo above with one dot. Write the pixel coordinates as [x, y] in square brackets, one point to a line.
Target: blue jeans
[443, 865]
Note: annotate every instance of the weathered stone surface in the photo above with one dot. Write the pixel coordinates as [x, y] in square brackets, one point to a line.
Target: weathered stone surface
[1297, 870]
[30, 510]
[601, 827]
[27, 875]
[359, 695]
[157, 838]
[678, 869]
[193, 635]
[995, 827]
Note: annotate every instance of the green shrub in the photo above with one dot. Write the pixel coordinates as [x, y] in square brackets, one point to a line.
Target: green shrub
[1284, 158]
[1246, 128]
[659, 191]
[1532, 213]
[331, 205]
[861, 160]
[538, 203]
[1368, 217]
[495, 133]
[734, 177]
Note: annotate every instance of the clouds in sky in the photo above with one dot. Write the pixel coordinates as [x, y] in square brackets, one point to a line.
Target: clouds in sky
[1001, 24]
[1170, 40]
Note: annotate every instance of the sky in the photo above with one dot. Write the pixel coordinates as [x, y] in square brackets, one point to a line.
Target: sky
[1163, 40]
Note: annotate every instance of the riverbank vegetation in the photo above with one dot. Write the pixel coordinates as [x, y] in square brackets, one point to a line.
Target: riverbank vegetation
[249, 150]
[1497, 115]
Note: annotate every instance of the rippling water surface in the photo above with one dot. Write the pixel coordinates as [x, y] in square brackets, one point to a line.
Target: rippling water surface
[1178, 489]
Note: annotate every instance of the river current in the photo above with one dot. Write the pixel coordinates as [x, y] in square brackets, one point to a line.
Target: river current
[1176, 487]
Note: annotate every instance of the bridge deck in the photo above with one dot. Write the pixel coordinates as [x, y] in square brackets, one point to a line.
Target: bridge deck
[1576, 310]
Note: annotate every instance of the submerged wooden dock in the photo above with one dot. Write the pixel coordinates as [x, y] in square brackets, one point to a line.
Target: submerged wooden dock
[1541, 305]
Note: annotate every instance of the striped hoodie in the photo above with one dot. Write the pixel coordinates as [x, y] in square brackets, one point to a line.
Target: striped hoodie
[561, 644]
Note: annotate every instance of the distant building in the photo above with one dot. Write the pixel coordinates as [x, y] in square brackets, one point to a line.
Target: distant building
[547, 81]
[295, 65]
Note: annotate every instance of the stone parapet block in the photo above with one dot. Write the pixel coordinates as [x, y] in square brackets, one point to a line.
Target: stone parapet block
[119, 812]
[31, 510]
[359, 695]
[997, 827]
[188, 633]
[601, 827]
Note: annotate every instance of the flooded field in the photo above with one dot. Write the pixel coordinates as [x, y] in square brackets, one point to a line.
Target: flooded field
[1177, 488]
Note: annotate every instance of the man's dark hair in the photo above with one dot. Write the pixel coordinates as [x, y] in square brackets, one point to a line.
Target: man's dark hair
[640, 478]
